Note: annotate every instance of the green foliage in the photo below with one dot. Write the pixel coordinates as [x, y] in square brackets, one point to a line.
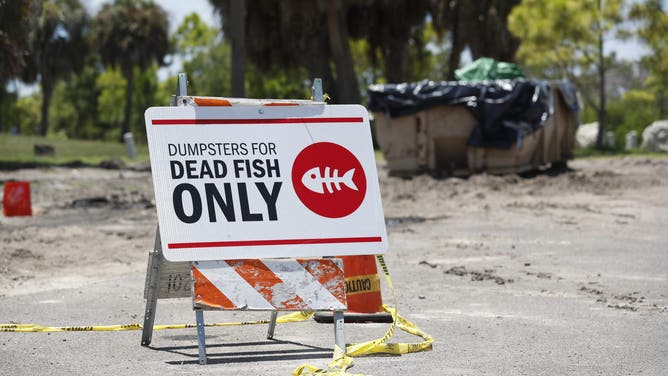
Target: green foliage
[63, 117]
[8, 113]
[428, 55]
[165, 91]
[437, 51]
[146, 88]
[635, 111]
[209, 70]
[111, 84]
[207, 61]
[90, 106]
[75, 103]
[205, 55]
[562, 36]
[193, 35]
[653, 30]
[566, 38]
[366, 66]
[278, 84]
[612, 152]
[28, 114]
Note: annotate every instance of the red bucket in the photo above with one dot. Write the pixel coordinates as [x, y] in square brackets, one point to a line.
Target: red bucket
[16, 199]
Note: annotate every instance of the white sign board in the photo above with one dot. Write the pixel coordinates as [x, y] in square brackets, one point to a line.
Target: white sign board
[256, 181]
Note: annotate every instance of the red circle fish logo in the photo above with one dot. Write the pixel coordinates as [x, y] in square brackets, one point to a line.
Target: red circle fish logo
[329, 180]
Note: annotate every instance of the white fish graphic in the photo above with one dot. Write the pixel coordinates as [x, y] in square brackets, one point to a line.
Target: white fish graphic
[317, 183]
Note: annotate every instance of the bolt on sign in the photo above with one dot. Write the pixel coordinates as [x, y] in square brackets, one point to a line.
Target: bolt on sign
[257, 181]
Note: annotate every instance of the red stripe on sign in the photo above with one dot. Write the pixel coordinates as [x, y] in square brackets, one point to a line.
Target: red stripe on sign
[251, 243]
[256, 121]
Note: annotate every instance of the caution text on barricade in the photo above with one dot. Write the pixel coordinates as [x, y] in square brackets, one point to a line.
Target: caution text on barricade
[250, 181]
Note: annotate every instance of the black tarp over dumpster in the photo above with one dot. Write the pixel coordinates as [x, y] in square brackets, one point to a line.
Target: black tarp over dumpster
[506, 110]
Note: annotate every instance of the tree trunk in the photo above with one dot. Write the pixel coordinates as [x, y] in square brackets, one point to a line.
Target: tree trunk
[47, 91]
[601, 85]
[455, 41]
[317, 63]
[373, 60]
[238, 36]
[346, 79]
[395, 65]
[3, 110]
[129, 90]
[478, 44]
[76, 131]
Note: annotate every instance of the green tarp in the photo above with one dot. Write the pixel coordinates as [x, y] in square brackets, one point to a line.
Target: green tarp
[485, 69]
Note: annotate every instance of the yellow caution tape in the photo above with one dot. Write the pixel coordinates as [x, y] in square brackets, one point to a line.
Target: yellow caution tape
[25, 328]
[337, 366]
[342, 361]
[325, 97]
[35, 328]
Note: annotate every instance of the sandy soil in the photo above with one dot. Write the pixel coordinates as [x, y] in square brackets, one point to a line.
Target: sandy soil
[467, 255]
[88, 224]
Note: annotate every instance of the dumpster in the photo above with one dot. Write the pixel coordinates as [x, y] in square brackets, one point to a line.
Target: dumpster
[461, 128]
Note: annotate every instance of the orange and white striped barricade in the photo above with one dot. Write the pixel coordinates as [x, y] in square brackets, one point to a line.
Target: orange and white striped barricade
[269, 285]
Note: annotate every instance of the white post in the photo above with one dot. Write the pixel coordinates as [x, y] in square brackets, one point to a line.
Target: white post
[130, 145]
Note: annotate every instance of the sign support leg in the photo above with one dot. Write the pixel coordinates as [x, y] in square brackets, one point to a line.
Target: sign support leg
[154, 285]
[201, 344]
[339, 336]
[272, 325]
[316, 90]
[337, 317]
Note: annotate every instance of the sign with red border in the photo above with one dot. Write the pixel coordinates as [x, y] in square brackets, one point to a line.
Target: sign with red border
[255, 181]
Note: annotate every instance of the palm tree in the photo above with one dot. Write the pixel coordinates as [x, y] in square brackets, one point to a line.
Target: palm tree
[15, 17]
[288, 34]
[346, 83]
[58, 48]
[131, 34]
[238, 39]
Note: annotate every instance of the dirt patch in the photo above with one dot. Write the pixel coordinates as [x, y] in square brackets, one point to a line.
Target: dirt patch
[97, 221]
[540, 275]
[629, 301]
[476, 275]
